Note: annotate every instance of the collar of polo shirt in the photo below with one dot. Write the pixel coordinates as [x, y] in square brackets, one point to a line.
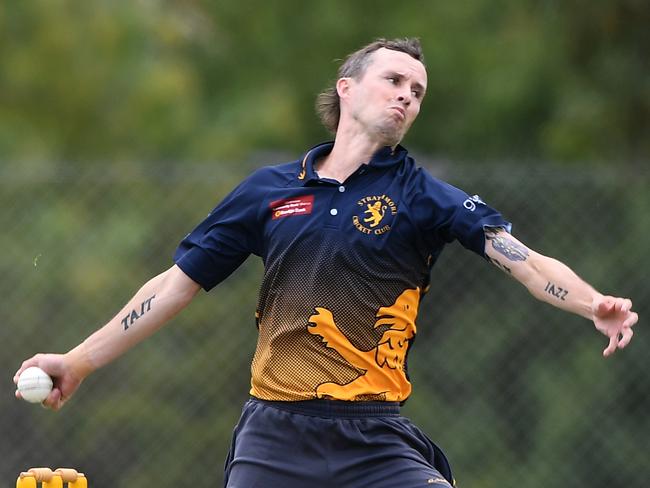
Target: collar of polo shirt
[383, 158]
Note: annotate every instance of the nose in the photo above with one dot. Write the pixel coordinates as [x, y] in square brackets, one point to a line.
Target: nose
[405, 97]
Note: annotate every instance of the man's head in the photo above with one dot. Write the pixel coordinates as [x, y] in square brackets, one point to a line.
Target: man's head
[380, 86]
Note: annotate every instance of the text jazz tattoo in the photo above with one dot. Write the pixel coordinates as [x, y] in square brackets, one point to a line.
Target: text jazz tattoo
[512, 250]
[134, 315]
[556, 291]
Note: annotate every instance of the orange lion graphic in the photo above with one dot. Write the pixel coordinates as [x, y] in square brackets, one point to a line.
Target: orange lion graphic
[376, 211]
[383, 365]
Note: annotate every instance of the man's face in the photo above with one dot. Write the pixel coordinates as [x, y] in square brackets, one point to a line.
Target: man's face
[386, 99]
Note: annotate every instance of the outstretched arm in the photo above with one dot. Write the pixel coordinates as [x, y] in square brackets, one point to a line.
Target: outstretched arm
[549, 280]
[151, 307]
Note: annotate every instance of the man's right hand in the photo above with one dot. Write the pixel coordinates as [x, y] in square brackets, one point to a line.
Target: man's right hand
[152, 306]
[65, 379]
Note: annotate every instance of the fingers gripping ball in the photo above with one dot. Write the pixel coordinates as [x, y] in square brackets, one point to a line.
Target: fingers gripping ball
[34, 385]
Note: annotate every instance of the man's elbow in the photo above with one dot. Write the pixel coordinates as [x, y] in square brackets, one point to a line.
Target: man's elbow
[180, 286]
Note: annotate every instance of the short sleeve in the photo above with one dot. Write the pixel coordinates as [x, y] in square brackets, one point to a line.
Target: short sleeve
[446, 213]
[223, 241]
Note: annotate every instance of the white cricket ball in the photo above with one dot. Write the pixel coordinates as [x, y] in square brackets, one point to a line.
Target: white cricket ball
[34, 384]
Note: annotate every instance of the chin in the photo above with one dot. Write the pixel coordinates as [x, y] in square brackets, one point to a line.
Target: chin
[388, 134]
[391, 138]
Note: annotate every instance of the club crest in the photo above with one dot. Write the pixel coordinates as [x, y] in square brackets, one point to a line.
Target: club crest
[375, 214]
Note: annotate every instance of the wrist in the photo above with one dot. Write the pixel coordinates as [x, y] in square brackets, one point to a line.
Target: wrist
[596, 300]
[79, 362]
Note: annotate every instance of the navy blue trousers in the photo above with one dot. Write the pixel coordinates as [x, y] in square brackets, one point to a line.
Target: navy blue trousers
[326, 444]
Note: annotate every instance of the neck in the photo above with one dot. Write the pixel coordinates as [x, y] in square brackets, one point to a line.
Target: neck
[350, 151]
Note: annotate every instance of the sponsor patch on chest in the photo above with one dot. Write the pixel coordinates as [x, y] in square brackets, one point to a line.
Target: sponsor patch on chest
[289, 207]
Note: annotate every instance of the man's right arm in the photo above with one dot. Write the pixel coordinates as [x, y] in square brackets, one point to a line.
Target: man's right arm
[160, 299]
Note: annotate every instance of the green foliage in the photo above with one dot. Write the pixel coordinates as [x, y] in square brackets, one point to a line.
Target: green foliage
[194, 81]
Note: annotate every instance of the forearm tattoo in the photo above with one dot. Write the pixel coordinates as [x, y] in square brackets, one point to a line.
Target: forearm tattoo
[130, 318]
[556, 291]
[510, 249]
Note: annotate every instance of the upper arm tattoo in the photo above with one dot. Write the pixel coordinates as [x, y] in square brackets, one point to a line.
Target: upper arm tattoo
[499, 264]
[513, 251]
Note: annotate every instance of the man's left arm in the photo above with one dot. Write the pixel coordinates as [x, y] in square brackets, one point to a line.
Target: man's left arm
[551, 281]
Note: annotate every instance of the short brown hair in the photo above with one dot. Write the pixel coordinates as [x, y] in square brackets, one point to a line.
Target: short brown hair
[328, 105]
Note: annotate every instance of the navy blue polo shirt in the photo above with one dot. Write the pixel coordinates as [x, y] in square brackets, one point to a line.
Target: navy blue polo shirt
[346, 265]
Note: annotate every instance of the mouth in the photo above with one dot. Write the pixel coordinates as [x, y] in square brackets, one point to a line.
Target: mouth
[400, 111]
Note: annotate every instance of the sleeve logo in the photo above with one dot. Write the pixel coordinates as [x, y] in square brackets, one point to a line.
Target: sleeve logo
[471, 202]
[375, 215]
[289, 207]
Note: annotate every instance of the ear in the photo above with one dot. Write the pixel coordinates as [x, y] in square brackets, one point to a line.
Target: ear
[343, 86]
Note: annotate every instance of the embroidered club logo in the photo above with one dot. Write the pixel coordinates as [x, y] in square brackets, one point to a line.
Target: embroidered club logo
[375, 214]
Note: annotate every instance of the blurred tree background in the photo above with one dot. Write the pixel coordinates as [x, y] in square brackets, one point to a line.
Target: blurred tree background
[98, 81]
[123, 123]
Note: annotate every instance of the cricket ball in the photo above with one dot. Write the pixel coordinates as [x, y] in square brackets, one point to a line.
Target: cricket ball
[34, 384]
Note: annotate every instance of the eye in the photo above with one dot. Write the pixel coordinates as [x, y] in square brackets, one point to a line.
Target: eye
[392, 79]
[416, 93]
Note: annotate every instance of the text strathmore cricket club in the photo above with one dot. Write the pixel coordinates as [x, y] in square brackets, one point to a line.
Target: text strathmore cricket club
[374, 218]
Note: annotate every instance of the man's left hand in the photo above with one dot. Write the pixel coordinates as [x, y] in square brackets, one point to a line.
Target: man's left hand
[614, 318]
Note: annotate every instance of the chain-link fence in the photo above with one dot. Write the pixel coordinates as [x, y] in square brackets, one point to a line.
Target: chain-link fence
[516, 392]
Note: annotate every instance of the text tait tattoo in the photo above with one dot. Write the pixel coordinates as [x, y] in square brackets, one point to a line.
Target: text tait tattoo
[129, 319]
